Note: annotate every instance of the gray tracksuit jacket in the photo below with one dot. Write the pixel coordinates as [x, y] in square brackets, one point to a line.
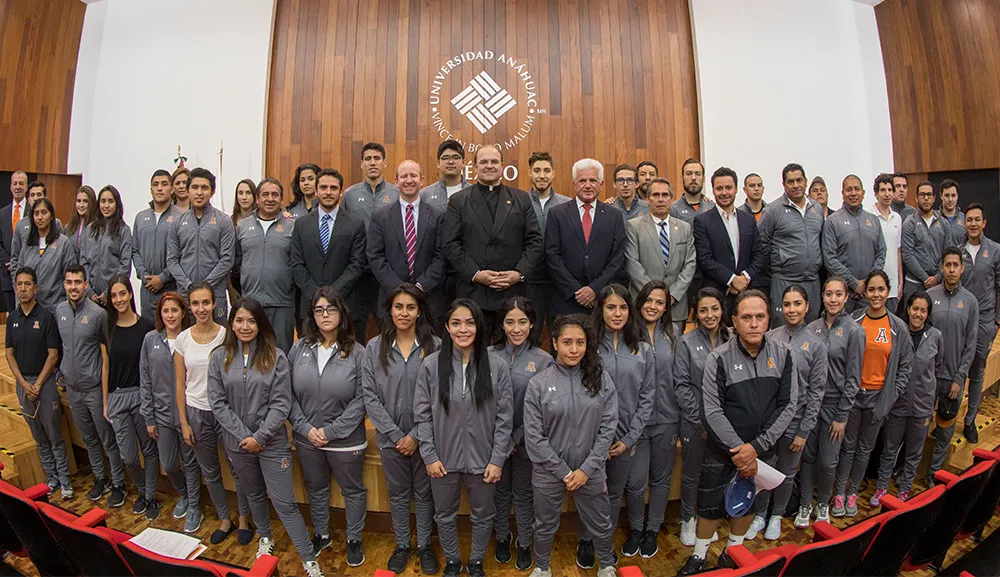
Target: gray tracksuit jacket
[634, 376]
[683, 210]
[922, 246]
[956, 315]
[982, 279]
[524, 362]
[21, 232]
[149, 244]
[49, 267]
[298, 209]
[465, 439]
[665, 409]
[329, 398]
[845, 352]
[897, 373]
[389, 393]
[247, 403]
[360, 200]
[693, 349]
[567, 428]
[437, 194]
[903, 209]
[957, 225]
[263, 260]
[201, 250]
[809, 355]
[639, 207]
[921, 392]
[82, 331]
[853, 244]
[103, 256]
[792, 242]
[157, 385]
[747, 399]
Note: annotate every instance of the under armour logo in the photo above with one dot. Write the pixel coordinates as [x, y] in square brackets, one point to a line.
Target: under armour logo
[684, 211]
[361, 199]
[63, 318]
[737, 367]
[15, 325]
[249, 228]
[699, 348]
[788, 211]
[147, 218]
[156, 347]
[552, 389]
[936, 303]
[434, 197]
[847, 222]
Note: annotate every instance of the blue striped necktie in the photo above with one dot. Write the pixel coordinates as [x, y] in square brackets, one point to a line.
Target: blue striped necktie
[324, 232]
[664, 243]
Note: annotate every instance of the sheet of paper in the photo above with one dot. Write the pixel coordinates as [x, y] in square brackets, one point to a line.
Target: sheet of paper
[167, 543]
[767, 477]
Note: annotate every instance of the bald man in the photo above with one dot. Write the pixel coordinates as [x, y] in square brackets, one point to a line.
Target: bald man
[403, 243]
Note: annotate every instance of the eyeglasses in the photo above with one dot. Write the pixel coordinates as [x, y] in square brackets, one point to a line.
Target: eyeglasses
[324, 311]
[625, 181]
[451, 158]
[925, 194]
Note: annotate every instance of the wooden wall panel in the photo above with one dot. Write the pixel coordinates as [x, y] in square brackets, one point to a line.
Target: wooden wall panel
[39, 42]
[615, 78]
[942, 66]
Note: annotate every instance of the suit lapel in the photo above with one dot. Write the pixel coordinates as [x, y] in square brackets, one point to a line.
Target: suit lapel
[422, 216]
[653, 239]
[503, 208]
[574, 217]
[396, 218]
[722, 225]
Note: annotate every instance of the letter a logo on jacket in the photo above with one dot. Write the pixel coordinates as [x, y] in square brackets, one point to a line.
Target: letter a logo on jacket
[881, 337]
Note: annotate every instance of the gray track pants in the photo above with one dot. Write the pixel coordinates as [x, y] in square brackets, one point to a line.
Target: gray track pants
[788, 463]
[348, 470]
[446, 491]
[179, 462]
[206, 452]
[592, 505]
[44, 418]
[859, 441]
[942, 435]
[618, 470]
[132, 437]
[283, 321]
[404, 475]
[653, 461]
[977, 373]
[823, 454]
[88, 413]
[515, 486]
[692, 454]
[912, 431]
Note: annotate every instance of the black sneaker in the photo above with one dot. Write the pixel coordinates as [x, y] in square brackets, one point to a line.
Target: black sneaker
[971, 434]
[502, 551]
[452, 569]
[475, 569]
[101, 486]
[117, 498]
[649, 545]
[355, 553]
[429, 564]
[524, 558]
[152, 510]
[399, 559]
[585, 554]
[725, 561]
[631, 545]
[139, 507]
[692, 566]
[320, 542]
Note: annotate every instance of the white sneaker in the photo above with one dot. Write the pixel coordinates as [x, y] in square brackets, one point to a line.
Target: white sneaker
[802, 519]
[715, 537]
[756, 527]
[688, 531]
[265, 546]
[608, 571]
[823, 512]
[539, 572]
[773, 531]
[312, 569]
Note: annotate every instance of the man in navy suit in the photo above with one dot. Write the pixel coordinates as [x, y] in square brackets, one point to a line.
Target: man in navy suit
[726, 241]
[584, 244]
[403, 243]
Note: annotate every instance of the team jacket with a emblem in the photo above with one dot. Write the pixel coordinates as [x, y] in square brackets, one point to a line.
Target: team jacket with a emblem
[389, 392]
[982, 279]
[921, 392]
[693, 349]
[247, 403]
[201, 249]
[897, 372]
[149, 244]
[665, 409]
[956, 315]
[790, 241]
[853, 244]
[49, 266]
[104, 256]
[683, 210]
[957, 226]
[329, 398]
[633, 375]
[809, 355]
[360, 200]
[845, 353]
[565, 428]
[263, 261]
[157, 387]
[465, 438]
[923, 245]
[524, 362]
[82, 331]
[747, 399]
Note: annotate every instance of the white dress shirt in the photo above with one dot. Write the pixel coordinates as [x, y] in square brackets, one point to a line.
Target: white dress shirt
[333, 217]
[656, 223]
[892, 233]
[579, 208]
[731, 221]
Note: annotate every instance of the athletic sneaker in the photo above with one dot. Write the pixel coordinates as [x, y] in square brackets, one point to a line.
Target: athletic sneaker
[193, 521]
[876, 499]
[823, 512]
[631, 545]
[312, 569]
[971, 434]
[320, 542]
[688, 527]
[67, 493]
[538, 572]
[181, 508]
[904, 496]
[475, 569]
[524, 558]
[773, 531]
[756, 527]
[429, 564]
[101, 486]
[399, 559]
[355, 553]
[502, 550]
[117, 497]
[265, 547]
[139, 507]
[838, 506]
[152, 510]
[608, 571]
[802, 519]
[852, 506]
[452, 569]
[650, 545]
[585, 554]
[692, 566]
[53, 485]
[725, 561]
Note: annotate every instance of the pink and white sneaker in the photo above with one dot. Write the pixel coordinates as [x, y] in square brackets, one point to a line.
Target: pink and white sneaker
[904, 496]
[876, 499]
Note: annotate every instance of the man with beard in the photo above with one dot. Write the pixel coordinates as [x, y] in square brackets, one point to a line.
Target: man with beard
[924, 239]
[950, 211]
[543, 199]
[693, 202]
[647, 172]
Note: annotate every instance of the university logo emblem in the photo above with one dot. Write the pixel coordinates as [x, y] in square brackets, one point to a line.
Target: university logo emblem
[385, 199]
[84, 319]
[770, 362]
[284, 462]
[212, 221]
[840, 332]
[805, 346]
[36, 325]
[868, 222]
[170, 219]
[881, 337]
[483, 102]
[277, 228]
[531, 367]
[960, 305]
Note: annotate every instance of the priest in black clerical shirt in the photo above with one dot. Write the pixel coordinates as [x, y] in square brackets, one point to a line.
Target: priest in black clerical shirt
[491, 237]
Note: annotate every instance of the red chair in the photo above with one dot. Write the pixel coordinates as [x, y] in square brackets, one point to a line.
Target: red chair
[21, 510]
[832, 553]
[982, 512]
[88, 541]
[8, 538]
[145, 562]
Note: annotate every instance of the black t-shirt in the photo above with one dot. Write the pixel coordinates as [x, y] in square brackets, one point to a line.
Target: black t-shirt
[123, 355]
[31, 337]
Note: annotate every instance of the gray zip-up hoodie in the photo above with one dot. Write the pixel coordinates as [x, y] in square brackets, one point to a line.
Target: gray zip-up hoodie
[634, 377]
[524, 362]
[264, 261]
[330, 398]
[156, 382]
[49, 268]
[845, 353]
[103, 256]
[809, 354]
[957, 225]
[247, 403]
[465, 439]
[565, 427]
[665, 409]
[982, 279]
[683, 210]
[956, 315]
[921, 393]
[853, 244]
[437, 194]
[897, 372]
[791, 241]
[149, 244]
[692, 351]
[201, 249]
[82, 331]
[389, 393]
[922, 246]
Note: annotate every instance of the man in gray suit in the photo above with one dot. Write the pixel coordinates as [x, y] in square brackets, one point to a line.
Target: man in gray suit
[658, 246]
[18, 188]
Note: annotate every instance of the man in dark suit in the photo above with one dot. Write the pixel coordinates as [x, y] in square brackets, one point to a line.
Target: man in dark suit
[584, 244]
[328, 248]
[491, 237]
[19, 208]
[726, 241]
[403, 243]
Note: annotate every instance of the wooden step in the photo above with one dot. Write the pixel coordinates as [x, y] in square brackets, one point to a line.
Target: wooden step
[13, 423]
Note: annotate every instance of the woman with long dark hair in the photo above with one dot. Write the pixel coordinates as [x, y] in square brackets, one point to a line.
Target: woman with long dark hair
[250, 389]
[462, 409]
[389, 375]
[303, 190]
[48, 253]
[692, 351]
[525, 360]
[244, 205]
[106, 247]
[570, 417]
[84, 213]
[122, 400]
[328, 418]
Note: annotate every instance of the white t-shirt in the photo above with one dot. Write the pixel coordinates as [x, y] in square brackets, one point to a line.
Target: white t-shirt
[973, 250]
[452, 189]
[172, 343]
[196, 362]
[323, 355]
[892, 229]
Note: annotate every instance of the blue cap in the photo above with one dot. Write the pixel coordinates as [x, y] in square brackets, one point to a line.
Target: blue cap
[740, 495]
